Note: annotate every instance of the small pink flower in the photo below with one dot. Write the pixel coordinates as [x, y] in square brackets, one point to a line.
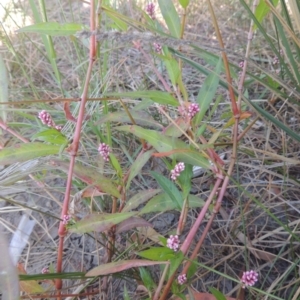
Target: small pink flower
[181, 279]
[177, 170]
[46, 119]
[249, 278]
[173, 242]
[157, 47]
[104, 151]
[45, 270]
[241, 64]
[66, 219]
[150, 9]
[193, 110]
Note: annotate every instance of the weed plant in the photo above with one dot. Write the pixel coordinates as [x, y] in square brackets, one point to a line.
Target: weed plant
[181, 111]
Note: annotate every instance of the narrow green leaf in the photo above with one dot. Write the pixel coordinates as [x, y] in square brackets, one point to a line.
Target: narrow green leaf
[157, 253]
[139, 199]
[170, 16]
[147, 279]
[125, 294]
[91, 177]
[52, 28]
[24, 152]
[217, 294]
[175, 262]
[119, 266]
[116, 165]
[140, 117]
[185, 180]
[170, 188]
[156, 96]
[184, 3]
[163, 202]
[50, 135]
[171, 64]
[262, 10]
[119, 24]
[99, 222]
[167, 144]
[138, 165]
[207, 93]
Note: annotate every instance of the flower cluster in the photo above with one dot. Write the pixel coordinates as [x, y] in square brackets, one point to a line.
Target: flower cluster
[157, 47]
[181, 279]
[249, 278]
[241, 64]
[104, 151]
[177, 170]
[66, 219]
[173, 242]
[193, 110]
[150, 9]
[45, 270]
[46, 119]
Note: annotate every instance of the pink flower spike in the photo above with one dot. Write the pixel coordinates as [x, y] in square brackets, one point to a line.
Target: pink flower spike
[193, 110]
[150, 9]
[177, 170]
[157, 47]
[104, 151]
[173, 242]
[46, 118]
[66, 219]
[249, 278]
[45, 270]
[181, 279]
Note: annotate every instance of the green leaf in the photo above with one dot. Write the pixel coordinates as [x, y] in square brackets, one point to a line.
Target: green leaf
[184, 3]
[91, 177]
[113, 15]
[167, 144]
[171, 64]
[262, 10]
[140, 117]
[175, 262]
[125, 294]
[163, 202]
[170, 188]
[24, 152]
[207, 93]
[185, 180]
[50, 135]
[156, 96]
[116, 165]
[147, 279]
[139, 199]
[157, 253]
[99, 222]
[137, 166]
[170, 16]
[217, 294]
[119, 266]
[52, 28]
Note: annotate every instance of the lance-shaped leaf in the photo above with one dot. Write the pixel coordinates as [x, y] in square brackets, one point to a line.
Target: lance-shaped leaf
[132, 222]
[121, 265]
[139, 199]
[52, 28]
[140, 117]
[166, 144]
[158, 253]
[156, 96]
[99, 222]
[163, 202]
[91, 177]
[138, 164]
[24, 152]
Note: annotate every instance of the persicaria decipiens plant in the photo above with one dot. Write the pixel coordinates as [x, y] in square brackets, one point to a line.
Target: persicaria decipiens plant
[249, 278]
[46, 119]
[173, 242]
[104, 151]
[177, 170]
[181, 279]
[150, 9]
